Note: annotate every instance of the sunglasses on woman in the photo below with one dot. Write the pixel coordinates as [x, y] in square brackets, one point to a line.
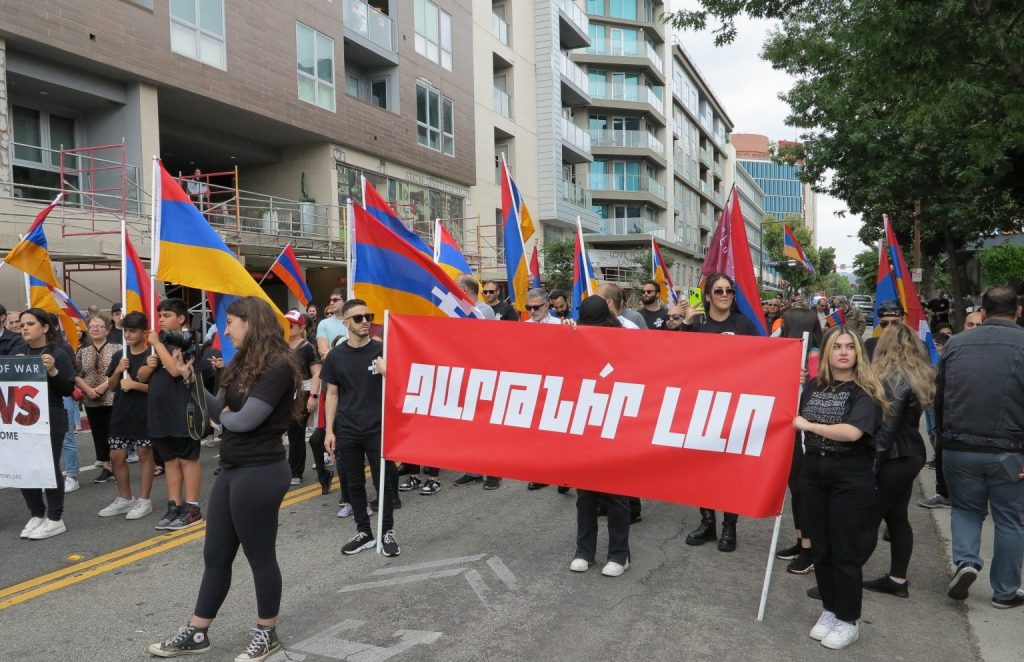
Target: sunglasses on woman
[723, 291]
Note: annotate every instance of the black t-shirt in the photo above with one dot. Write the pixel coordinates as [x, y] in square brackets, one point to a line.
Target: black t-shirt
[308, 357]
[842, 402]
[64, 383]
[359, 388]
[940, 308]
[116, 336]
[655, 319]
[262, 445]
[128, 419]
[736, 324]
[166, 405]
[504, 312]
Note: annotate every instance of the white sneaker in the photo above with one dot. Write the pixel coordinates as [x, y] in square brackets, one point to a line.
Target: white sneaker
[118, 506]
[132, 458]
[70, 484]
[141, 508]
[48, 529]
[32, 525]
[98, 463]
[296, 481]
[824, 625]
[613, 569]
[842, 635]
[579, 565]
[345, 510]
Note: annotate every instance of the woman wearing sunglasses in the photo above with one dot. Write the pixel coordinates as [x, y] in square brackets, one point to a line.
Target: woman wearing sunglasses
[839, 413]
[719, 315]
[91, 363]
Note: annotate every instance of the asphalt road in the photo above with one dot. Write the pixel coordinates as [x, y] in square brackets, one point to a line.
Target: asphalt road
[482, 576]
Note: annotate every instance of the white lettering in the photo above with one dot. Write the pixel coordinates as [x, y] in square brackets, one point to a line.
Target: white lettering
[556, 414]
[479, 386]
[515, 399]
[625, 401]
[447, 385]
[708, 421]
[753, 412]
[419, 390]
[663, 435]
[590, 407]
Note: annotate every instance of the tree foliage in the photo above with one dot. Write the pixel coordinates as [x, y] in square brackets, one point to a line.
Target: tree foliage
[823, 260]
[865, 268]
[1001, 263]
[902, 103]
[558, 256]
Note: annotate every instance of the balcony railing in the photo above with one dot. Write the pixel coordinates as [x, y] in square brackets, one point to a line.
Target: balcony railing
[718, 170]
[575, 194]
[639, 139]
[576, 15]
[573, 72]
[626, 183]
[499, 28]
[363, 19]
[705, 156]
[638, 93]
[631, 225]
[575, 136]
[502, 103]
[627, 49]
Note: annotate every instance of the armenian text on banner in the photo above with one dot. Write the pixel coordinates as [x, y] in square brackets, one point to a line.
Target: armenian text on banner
[718, 435]
[26, 460]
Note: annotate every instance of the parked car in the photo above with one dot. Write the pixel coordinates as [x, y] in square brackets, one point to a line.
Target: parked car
[866, 303]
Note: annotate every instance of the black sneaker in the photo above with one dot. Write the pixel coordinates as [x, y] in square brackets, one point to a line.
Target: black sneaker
[430, 486]
[563, 490]
[104, 476]
[1009, 603]
[885, 584]
[802, 564]
[190, 640]
[189, 515]
[964, 576]
[492, 483]
[410, 484]
[389, 546]
[789, 553]
[169, 516]
[359, 542]
[466, 479]
[263, 644]
[535, 486]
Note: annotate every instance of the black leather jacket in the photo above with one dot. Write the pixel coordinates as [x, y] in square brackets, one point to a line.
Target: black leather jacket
[12, 343]
[900, 435]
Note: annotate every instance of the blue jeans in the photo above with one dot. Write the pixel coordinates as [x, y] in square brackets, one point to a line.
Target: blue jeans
[929, 417]
[977, 482]
[70, 448]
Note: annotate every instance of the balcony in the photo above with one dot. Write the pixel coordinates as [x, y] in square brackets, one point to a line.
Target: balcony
[575, 194]
[627, 184]
[718, 170]
[719, 199]
[633, 94]
[575, 143]
[636, 139]
[502, 103]
[573, 25]
[705, 157]
[575, 83]
[631, 225]
[371, 32]
[499, 28]
[617, 48]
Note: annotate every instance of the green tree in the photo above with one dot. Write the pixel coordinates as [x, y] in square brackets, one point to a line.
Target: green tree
[865, 267]
[772, 242]
[1001, 263]
[558, 256]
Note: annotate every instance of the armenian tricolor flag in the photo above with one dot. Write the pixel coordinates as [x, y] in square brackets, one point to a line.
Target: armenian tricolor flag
[835, 318]
[517, 227]
[187, 251]
[583, 282]
[219, 305]
[447, 254]
[286, 267]
[534, 269]
[382, 211]
[136, 295]
[885, 284]
[661, 276]
[791, 248]
[32, 254]
[901, 277]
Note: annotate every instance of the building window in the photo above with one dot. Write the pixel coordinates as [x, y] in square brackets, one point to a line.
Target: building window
[435, 121]
[197, 30]
[314, 55]
[38, 138]
[433, 33]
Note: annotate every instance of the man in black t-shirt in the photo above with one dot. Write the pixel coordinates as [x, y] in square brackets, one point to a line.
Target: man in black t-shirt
[938, 310]
[503, 310]
[655, 315]
[353, 374]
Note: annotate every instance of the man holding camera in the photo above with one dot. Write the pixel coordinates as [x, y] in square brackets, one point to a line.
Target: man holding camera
[167, 410]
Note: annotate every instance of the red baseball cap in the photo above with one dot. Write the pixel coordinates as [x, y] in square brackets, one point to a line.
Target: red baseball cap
[295, 317]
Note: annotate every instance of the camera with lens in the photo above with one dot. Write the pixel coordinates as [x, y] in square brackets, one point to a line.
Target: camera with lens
[181, 340]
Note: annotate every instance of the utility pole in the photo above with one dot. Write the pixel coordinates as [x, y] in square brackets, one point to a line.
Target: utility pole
[917, 233]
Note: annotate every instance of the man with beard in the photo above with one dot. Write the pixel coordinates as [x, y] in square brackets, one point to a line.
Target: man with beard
[655, 315]
[503, 310]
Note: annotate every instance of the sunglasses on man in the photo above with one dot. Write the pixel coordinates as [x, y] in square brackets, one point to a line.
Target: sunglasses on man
[490, 291]
[886, 323]
[361, 317]
[533, 308]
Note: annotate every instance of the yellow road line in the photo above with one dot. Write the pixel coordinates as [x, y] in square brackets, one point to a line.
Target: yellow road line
[80, 572]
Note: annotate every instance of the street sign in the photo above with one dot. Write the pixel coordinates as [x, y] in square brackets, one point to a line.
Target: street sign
[915, 275]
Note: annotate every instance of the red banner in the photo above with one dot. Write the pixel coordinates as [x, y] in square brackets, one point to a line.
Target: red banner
[695, 419]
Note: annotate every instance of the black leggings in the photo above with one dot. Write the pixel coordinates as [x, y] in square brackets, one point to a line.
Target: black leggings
[796, 497]
[99, 424]
[242, 509]
[895, 486]
[53, 507]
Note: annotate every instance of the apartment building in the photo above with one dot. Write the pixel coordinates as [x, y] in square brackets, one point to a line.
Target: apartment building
[784, 192]
[280, 106]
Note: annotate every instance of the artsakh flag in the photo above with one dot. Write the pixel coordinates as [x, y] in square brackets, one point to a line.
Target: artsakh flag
[517, 228]
[286, 267]
[55, 300]
[447, 254]
[32, 254]
[379, 208]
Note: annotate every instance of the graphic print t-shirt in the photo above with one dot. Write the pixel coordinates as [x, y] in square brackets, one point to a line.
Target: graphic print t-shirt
[842, 402]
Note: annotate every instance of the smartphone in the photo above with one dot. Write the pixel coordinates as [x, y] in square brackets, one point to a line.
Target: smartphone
[696, 297]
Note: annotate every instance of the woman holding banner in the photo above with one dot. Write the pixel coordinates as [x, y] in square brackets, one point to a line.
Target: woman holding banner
[839, 413]
[41, 336]
[594, 311]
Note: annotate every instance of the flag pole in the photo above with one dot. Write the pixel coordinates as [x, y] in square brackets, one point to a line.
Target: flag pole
[267, 273]
[124, 264]
[583, 256]
[382, 482]
[778, 518]
[349, 254]
[154, 245]
[437, 239]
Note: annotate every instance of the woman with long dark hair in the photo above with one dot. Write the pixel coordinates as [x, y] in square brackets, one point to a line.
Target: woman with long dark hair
[41, 335]
[256, 401]
[839, 413]
[721, 315]
[902, 364]
[594, 311]
[795, 323]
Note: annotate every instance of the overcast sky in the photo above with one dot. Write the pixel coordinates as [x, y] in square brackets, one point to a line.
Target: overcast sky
[749, 88]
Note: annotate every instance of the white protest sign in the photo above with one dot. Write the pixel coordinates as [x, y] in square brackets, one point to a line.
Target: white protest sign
[26, 460]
